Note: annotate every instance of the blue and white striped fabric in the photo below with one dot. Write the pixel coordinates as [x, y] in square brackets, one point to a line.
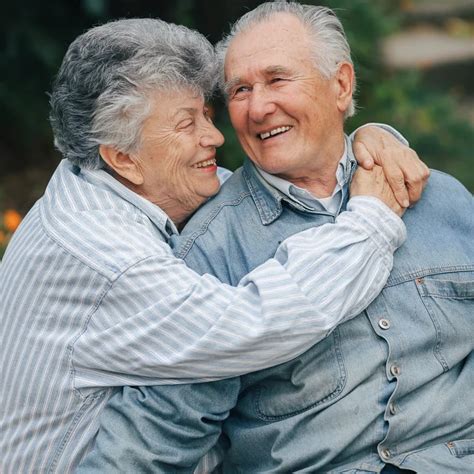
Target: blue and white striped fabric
[92, 298]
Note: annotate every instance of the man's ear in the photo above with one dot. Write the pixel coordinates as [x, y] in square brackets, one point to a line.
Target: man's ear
[345, 86]
[122, 163]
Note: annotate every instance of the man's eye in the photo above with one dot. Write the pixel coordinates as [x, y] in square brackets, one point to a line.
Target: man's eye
[240, 90]
[277, 79]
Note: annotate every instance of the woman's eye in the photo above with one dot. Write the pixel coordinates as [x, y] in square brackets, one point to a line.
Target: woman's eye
[207, 116]
[185, 124]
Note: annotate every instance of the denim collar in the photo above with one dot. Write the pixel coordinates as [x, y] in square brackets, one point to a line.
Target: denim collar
[268, 200]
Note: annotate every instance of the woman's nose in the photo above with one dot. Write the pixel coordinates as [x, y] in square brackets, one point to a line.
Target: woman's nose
[212, 137]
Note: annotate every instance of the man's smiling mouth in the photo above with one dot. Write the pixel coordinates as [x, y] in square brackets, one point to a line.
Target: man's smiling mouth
[272, 133]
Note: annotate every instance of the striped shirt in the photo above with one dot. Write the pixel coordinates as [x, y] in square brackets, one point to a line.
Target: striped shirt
[92, 298]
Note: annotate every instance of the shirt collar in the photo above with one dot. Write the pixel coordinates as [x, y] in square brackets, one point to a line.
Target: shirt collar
[268, 191]
[300, 196]
[104, 180]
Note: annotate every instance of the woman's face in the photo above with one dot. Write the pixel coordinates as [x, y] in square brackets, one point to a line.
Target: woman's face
[177, 154]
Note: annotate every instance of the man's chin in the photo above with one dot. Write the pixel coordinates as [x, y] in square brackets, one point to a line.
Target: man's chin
[273, 166]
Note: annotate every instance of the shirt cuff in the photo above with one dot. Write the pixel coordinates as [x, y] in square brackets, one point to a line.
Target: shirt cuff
[379, 220]
[223, 174]
[385, 127]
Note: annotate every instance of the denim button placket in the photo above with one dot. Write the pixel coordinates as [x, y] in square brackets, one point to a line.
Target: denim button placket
[385, 453]
[384, 323]
[395, 370]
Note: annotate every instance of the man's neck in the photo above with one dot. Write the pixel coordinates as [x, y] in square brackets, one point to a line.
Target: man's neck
[321, 179]
[320, 184]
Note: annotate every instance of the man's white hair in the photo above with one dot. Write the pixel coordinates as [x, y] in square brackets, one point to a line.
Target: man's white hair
[330, 46]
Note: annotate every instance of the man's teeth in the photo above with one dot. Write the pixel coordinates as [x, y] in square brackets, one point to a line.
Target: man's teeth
[273, 132]
[203, 164]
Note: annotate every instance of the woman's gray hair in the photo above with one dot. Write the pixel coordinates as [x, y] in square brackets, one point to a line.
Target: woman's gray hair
[102, 92]
[330, 46]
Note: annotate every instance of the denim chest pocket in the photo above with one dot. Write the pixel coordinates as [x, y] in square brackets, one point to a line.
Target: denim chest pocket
[315, 378]
[461, 448]
[450, 305]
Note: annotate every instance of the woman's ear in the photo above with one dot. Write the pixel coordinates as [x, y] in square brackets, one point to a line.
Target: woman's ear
[122, 163]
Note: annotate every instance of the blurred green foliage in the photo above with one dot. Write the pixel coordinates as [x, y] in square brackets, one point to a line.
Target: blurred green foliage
[428, 117]
[34, 37]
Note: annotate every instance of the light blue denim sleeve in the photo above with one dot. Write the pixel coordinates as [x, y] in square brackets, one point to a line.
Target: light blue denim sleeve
[160, 429]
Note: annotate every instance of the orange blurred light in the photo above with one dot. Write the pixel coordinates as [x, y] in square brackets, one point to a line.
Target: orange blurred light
[11, 219]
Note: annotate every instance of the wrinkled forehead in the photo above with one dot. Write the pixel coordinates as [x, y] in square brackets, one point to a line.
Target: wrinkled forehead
[281, 41]
[165, 105]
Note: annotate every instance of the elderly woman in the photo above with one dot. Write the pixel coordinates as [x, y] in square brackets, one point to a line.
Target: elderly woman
[91, 296]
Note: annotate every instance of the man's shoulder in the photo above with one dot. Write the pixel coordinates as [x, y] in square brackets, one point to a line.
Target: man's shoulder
[445, 205]
[439, 228]
[231, 194]
[445, 194]
[440, 178]
[216, 214]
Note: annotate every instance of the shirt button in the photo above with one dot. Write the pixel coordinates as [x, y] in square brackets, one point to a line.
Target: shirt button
[384, 323]
[392, 409]
[386, 454]
[395, 370]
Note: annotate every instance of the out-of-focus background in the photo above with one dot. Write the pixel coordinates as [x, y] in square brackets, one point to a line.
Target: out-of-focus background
[414, 60]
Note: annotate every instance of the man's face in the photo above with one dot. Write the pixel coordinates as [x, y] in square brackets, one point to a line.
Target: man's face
[289, 120]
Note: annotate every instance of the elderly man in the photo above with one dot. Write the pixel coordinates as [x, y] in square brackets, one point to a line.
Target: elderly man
[91, 296]
[388, 391]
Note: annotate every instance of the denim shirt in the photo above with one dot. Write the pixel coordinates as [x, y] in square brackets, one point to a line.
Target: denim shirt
[393, 385]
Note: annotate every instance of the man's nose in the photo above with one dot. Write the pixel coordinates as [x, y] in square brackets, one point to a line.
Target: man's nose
[211, 137]
[261, 103]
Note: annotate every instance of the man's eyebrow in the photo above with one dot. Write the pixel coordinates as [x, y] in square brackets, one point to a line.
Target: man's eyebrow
[231, 83]
[269, 71]
[272, 70]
